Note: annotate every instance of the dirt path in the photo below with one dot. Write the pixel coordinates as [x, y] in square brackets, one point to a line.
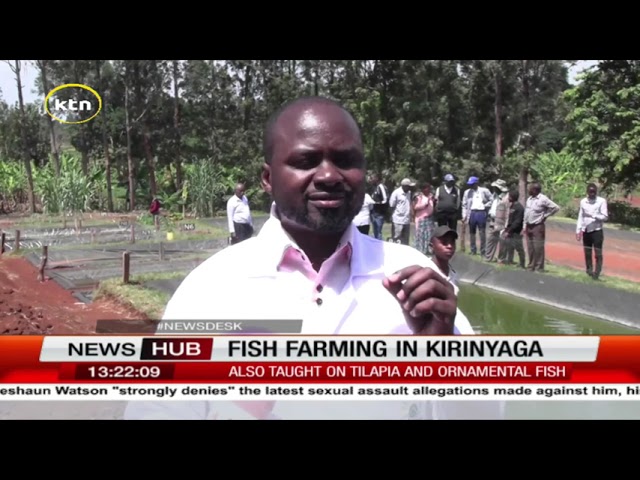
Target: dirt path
[621, 251]
[28, 306]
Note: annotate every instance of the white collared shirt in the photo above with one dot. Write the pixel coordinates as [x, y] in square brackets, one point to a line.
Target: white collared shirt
[592, 214]
[364, 215]
[250, 280]
[400, 201]
[238, 211]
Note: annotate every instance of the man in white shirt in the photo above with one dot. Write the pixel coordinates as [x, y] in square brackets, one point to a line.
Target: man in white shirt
[363, 219]
[475, 205]
[592, 214]
[309, 262]
[400, 202]
[239, 215]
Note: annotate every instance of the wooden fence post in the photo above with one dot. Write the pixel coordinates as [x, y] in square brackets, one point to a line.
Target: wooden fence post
[17, 247]
[126, 256]
[43, 262]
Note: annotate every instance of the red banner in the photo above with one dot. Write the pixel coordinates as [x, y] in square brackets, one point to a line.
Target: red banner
[618, 361]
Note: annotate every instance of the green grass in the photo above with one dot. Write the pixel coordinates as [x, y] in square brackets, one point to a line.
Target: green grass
[147, 301]
[581, 277]
[614, 226]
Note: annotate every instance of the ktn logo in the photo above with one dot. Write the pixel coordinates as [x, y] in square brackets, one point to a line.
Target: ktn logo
[73, 103]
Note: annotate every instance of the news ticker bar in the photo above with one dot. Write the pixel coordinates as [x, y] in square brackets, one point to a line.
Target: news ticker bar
[198, 327]
[246, 348]
[321, 372]
[248, 395]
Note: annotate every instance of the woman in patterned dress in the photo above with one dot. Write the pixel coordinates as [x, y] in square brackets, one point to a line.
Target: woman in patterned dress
[423, 215]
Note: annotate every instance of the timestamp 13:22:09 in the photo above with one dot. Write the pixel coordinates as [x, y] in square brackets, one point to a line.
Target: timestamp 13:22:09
[96, 372]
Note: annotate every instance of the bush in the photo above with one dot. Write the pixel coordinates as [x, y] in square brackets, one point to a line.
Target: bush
[570, 210]
[624, 214]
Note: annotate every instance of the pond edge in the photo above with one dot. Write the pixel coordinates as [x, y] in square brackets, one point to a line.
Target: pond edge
[597, 301]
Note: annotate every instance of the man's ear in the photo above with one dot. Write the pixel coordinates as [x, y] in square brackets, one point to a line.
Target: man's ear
[265, 178]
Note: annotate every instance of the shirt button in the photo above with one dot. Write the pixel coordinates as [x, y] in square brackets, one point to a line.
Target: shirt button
[319, 288]
[319, 301]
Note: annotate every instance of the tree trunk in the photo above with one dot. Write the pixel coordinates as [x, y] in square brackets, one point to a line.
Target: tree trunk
[51, 122]
[524, 168]
[148, 153]
[176, 125]
[23, 133]
[498, 114]
[248, 80]
[523, 184]
[127, 122]
[105, 141]
[83, 142]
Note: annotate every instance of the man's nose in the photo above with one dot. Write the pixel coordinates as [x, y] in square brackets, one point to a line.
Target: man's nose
[327, 173]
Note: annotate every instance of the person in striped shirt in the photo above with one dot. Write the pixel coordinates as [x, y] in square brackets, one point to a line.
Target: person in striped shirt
[592, 214]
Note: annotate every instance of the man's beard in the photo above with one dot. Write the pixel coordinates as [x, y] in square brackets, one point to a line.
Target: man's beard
[323, 220]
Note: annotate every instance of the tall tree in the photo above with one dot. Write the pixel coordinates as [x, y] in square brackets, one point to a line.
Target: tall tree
[105, 137]
[16, 68]
[605, 122]
[46, 86]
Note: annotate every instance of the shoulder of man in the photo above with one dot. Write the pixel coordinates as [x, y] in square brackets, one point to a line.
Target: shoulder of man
[220, 273]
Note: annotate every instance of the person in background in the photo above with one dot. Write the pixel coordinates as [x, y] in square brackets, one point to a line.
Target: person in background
[363, 218]
[511, 238]
[538, 208]
[498, 216]
[443, 245]
[239, 216]
[380, 207]
[154, 209]
[400, 202]
[475, 203]
[592, 214]
[448, 200]
[423, 216]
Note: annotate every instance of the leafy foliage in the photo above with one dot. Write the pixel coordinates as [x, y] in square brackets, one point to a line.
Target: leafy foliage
[195, 127]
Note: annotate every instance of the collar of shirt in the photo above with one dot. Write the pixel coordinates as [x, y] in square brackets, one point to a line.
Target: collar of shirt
[280, 248]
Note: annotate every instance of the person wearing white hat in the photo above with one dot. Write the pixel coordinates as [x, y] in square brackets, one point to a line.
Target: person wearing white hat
[448, 201]
[400, 202]
[498, 216]
[476, 202]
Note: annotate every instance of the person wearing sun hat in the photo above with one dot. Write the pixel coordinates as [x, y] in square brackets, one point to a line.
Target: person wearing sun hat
[400, 203]
[498, 216]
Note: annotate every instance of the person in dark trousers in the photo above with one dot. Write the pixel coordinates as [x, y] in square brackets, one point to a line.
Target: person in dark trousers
[539, 207]
[475, 205]
[511, 238]
[380, 207]
[592, 214]
[448, 201]
[239, 216]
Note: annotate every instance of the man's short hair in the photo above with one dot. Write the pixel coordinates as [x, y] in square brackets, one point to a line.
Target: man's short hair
[515, 195]
[267, 141]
